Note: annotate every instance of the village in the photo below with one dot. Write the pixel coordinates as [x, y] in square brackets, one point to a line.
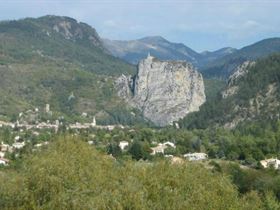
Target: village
[37, 128]
[22, 124]
[20, 127]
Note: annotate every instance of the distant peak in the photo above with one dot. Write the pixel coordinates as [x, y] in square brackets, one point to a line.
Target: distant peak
[56, 17]
[154, 38]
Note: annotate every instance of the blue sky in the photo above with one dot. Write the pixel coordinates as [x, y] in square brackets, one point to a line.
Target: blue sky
[199, 24]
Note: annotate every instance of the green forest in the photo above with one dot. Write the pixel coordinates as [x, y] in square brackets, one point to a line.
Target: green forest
[71, 175]
[253, 86]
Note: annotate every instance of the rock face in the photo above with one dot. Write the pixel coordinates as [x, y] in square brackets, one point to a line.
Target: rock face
[239, 72]
[73, 30]
[165, 91]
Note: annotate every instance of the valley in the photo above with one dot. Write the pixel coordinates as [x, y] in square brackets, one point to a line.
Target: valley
[92, 123]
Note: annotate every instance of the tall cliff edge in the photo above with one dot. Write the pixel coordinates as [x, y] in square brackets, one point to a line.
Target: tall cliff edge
[165, 91]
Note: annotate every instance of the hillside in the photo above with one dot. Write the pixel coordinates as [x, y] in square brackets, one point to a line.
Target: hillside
[135, 50]
[252, 94]
[56, 38]
[58, 61]
[223, 67]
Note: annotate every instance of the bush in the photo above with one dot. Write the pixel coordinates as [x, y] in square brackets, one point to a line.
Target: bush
[71, 175]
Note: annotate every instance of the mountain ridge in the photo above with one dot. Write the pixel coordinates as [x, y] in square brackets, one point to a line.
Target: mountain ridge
[133, 51]
[251, 95]
[224, 66]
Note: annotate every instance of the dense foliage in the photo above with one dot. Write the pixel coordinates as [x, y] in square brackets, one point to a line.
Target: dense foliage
[72, 175]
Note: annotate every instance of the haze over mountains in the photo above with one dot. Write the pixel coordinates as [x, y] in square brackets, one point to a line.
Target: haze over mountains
[219, 63]
[135, 50]
[224, 66]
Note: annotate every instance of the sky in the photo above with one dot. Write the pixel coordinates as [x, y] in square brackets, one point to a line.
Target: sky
[199, 24]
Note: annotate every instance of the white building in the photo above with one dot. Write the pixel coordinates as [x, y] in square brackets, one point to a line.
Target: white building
[17, 138]
[168, 143]
[93, 122]
[84, 114]
[41, 144]
[123, 144]
[275, 163]
[2, 154]
[196, 156]
[4, 161]
[90, 142]
[158, 149]
[18, 145]
[5, 147]
[47, 108]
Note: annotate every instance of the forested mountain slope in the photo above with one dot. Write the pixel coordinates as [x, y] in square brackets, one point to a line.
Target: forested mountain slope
[58, 61]
[223, 67]
[252, 94]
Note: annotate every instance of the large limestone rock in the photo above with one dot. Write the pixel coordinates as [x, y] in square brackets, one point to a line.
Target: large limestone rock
[164, 90]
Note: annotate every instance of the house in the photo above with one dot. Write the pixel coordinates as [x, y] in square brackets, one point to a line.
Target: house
[17, 138]
[18, 145]
[196, 156]
[41, 144]
[47, 109]
[35, 133]
[275, 163]
[168, 143]
[168, 156]
[90, 142]
[2, 154]
[4, 161]
[158, 149]
[123, 144]
[4, 147]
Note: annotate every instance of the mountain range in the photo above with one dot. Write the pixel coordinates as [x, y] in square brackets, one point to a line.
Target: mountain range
[224, 66]
[216, 64]
[135, 50]
[62, 62]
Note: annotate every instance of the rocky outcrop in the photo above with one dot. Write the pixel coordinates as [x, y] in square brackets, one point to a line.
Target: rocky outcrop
[73, 30]
[165, 91]
[239, 72]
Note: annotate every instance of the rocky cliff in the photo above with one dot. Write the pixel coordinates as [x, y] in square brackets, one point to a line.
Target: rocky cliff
[73, 30]
[239, 72]
[165, 91]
